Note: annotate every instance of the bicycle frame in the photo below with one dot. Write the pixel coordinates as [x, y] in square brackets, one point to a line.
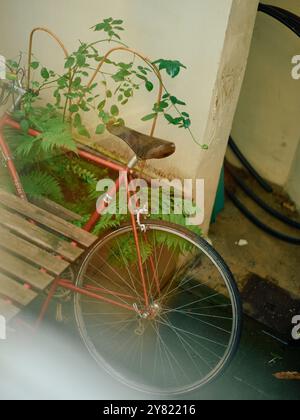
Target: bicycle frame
[90, 291]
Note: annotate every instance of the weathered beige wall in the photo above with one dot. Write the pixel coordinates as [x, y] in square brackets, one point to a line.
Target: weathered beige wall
[266, 125]
[211, 37]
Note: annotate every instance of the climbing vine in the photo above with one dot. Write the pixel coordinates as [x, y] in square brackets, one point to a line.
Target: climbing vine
[91, 82]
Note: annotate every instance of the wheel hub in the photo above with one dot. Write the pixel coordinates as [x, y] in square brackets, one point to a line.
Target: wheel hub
[151, 312]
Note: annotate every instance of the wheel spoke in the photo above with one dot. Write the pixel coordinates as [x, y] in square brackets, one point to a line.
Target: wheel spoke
[185, 337]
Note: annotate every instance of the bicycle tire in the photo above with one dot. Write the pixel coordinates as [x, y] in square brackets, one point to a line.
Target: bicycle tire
[226, 274]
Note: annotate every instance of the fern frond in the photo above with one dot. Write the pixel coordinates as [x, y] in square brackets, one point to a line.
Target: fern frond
[41, 184]
[26, 146]
[5, 180]
[57, 135]
[109, 221]
[84, 174]
[124, 251]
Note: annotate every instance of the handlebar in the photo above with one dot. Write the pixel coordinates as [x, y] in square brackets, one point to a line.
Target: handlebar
[11, 87]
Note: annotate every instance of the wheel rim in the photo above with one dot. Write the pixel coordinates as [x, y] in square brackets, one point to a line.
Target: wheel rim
[187, 334]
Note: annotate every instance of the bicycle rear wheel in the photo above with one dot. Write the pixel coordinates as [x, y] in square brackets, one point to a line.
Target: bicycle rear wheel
[188, 332]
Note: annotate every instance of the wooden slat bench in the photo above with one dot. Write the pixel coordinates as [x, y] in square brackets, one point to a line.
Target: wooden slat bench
[35, 248]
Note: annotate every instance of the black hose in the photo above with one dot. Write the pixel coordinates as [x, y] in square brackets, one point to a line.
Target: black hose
[291, 21]
[288, 19]
[264, 184]
[259, 223]
[247, 190]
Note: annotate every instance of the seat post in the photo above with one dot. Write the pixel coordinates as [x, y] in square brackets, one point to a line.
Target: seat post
[133, 162]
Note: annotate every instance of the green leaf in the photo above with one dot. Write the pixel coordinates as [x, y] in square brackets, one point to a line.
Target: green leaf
[117, 22]
[178, 120]
[176, 101]
[142, 70]
[62, 82]
[45, 73]
[94, 85]
[35, 65]
[69, 62]
[77, 82]
[25, 126]
[35, 84]
[161, 106]
[109, 94]
[100, 26]
[101, 105]
[84, 132]
[74, 108]
[140, 76]
[172, 67]
[149, 86]
[114, 111]
[81, 60]
[104, 116]
[128, 93]
[149, 117]
[84, 106]
[57, 95]
[25, 147]
[77, 121]
[120, 75]
[187, 123]
[169, 118]
[13, 64]
[42, 184]
[185, 114]
[116, 36]
[100, 129]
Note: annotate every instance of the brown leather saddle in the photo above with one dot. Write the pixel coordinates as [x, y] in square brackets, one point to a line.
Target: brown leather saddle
[145, 147]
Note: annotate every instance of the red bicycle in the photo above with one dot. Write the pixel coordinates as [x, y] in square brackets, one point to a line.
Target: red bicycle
[155, 304]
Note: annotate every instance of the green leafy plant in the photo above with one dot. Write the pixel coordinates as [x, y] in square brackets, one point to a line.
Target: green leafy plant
[46, 170]
[75, 93]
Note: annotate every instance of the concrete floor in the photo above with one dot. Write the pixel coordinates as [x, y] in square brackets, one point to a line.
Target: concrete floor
[266, 269]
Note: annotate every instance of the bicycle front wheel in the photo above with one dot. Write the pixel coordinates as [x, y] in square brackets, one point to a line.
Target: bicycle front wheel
[183, 333]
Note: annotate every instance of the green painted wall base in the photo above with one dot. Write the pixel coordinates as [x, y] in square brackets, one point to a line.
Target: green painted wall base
[220, 198]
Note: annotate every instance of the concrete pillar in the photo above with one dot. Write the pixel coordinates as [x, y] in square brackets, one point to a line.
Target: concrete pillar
[266, 124]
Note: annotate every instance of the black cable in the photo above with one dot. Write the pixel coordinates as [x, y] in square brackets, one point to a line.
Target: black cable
[288, 19]
[291, 21]
[266, 186]
[259, 223]
[247, 190]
